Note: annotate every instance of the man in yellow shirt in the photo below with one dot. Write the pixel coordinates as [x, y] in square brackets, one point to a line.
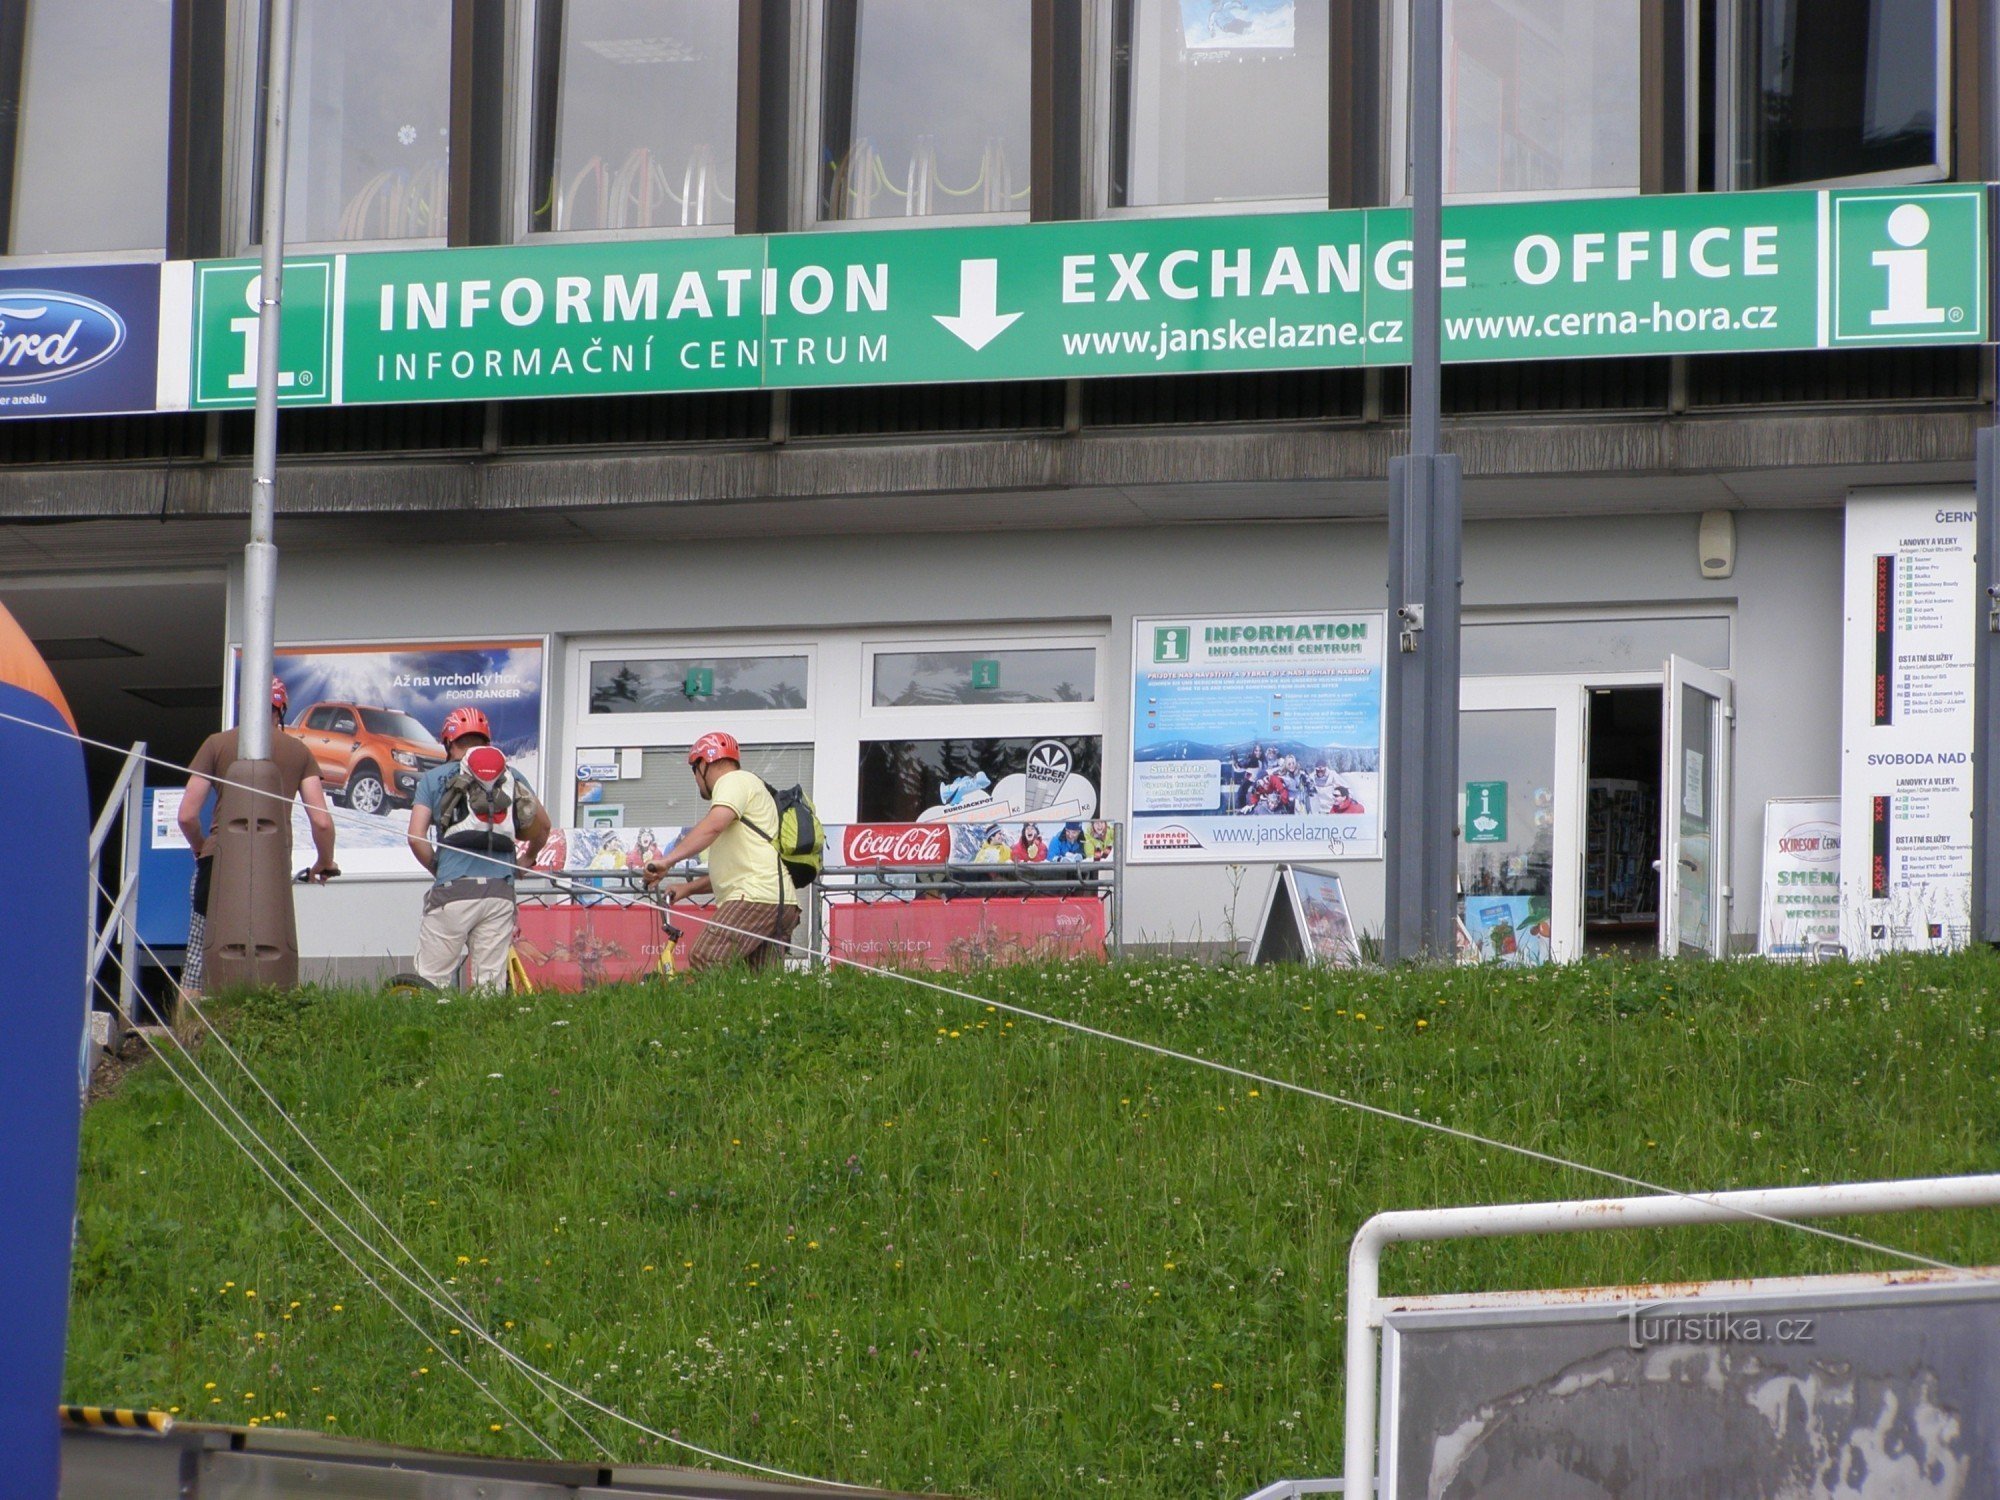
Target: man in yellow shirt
[756, 908]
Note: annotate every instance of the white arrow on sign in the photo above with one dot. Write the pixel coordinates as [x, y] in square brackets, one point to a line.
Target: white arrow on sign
[979, 320]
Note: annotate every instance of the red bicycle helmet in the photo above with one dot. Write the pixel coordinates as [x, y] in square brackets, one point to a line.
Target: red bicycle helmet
[715, 746]
[463, 721]
[280, 699]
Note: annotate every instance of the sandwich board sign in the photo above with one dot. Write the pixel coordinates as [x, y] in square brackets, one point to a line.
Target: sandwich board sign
[1306, 921]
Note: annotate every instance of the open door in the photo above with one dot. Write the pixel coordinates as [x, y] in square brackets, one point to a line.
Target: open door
[1520, 820]
[1694, 811]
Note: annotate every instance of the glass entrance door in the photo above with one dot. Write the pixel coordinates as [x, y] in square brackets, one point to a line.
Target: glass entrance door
[1694, 812]
[1520, 848]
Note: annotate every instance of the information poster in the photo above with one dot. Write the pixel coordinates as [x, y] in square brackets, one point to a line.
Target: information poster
[1906, 731]
[1799, 916]
[1257, 738]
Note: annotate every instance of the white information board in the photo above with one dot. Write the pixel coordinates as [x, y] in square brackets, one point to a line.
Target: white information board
[1906, 722]
[1257, 737]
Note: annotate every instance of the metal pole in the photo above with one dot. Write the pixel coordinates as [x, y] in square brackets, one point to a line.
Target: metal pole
[260, 556]
[1425, 526]
[1364, 1257]
[1986, 554]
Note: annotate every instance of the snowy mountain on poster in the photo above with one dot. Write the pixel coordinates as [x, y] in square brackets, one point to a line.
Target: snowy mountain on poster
[1338, 757]
[1230, 25]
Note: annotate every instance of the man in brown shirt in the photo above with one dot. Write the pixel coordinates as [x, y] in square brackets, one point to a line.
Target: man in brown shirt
[299, 775]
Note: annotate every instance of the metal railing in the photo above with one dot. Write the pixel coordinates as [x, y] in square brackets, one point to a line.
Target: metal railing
[1364, 1259]
[124, 810]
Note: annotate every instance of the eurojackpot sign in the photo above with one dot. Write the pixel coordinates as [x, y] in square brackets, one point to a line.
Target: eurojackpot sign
[1699, 273]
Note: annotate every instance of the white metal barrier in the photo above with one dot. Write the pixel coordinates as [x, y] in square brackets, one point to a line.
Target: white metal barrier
[124, 810]
[1364, 1260]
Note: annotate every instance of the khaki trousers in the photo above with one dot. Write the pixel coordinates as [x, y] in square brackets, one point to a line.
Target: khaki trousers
[482, 928]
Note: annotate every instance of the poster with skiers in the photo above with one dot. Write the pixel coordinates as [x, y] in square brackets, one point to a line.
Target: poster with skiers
[1257, 738]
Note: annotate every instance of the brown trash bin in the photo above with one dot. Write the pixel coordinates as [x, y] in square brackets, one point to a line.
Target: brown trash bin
[253, 939]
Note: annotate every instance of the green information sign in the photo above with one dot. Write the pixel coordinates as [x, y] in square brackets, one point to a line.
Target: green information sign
[700, 683]
[1486, 812]
[985, 675]
[224, 338]
[1173, 644]
[1689, 274]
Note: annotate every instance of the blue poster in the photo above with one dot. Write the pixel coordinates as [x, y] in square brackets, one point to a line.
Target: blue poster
[1257, 738]
[1230, 25]
[78, 340]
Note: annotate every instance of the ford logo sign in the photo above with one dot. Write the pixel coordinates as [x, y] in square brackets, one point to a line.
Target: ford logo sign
[48, 336]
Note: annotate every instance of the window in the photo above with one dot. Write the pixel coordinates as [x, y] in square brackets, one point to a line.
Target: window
[1219, 101]
[1541, 97]
[90, 167]
[906, 679]
[679, 685]
[371, 106]
[1832, 89]
[664, 795]
[980, 780]
[636, 116]
[924, 108]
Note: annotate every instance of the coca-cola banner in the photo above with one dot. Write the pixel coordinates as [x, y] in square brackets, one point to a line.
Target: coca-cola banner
[895, 844]
[968, 934]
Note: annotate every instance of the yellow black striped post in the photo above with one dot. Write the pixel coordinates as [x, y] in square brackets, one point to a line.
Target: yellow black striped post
[118, 1418]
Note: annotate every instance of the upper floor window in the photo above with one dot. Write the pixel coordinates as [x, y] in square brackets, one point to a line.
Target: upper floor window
[90, 157]
[1832, 89]
[636, 114]
[370, 120]
[1538, 99]
[1219, 101]
[924, 108]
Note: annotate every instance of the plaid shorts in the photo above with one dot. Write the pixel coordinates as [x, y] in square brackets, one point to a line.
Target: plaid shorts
[743, 932]
[195, 963]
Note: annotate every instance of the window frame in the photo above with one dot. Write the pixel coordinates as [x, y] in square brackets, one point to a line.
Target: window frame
[1395, 164]
[751, 725]
[809, 71]
[922, 721]
[243, 144]
[523, 127]
[1728, 73]
[1100, 48]
[14, 61]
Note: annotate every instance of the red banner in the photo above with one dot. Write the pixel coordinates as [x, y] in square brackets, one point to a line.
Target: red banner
[969, 933]
[572, 947]
[569, 946]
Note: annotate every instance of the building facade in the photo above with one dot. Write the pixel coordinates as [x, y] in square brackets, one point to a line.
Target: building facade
[887, 580]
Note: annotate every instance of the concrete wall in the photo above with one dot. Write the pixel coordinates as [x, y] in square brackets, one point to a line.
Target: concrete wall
[1785, 596]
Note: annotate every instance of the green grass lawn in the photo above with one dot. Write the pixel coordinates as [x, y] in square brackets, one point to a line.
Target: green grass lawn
[853, 1228]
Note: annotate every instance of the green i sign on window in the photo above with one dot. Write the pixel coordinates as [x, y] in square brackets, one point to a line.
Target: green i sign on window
[700, 682]
[985, 675]
[1486, 812]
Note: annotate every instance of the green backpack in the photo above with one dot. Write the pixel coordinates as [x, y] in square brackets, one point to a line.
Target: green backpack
[801, 837]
